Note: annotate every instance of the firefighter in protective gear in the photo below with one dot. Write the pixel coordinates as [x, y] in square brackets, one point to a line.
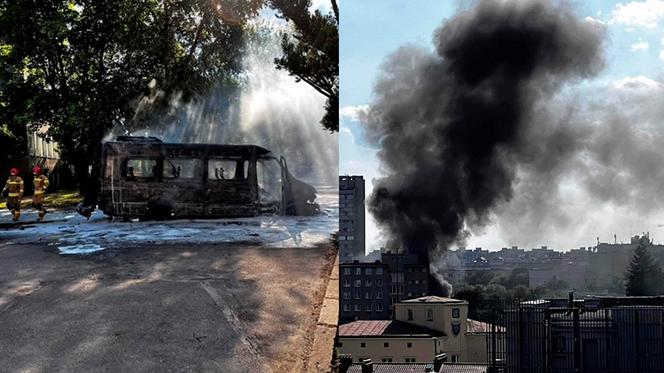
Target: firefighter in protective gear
[40, 183]
[14, 187]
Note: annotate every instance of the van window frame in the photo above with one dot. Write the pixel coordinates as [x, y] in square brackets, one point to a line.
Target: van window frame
[246, 166]
[200, 175]
[155, 178]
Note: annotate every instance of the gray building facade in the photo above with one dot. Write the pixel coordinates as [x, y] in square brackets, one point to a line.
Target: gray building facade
[351, 218]
[364, 291]
[409, 278]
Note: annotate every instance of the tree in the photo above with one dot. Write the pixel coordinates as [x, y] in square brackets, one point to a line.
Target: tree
[81, 66]
[311, 54]
[644, 276]
[478, 277]
[518, 276]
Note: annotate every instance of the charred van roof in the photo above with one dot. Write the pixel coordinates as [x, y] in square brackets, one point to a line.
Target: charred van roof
[132, 144]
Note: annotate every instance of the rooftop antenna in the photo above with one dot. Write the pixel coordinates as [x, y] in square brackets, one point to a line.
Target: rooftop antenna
[597, 240]
[615, 238]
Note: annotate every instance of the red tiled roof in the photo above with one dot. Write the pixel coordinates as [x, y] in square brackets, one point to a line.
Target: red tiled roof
[367, 328]
[433, 299]
[393, 368]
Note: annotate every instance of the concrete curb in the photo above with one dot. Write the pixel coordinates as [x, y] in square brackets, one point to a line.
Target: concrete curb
[326, 328]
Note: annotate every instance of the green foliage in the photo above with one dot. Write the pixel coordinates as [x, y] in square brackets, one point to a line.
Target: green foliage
[518, 276]
[644, 275]
[557, 284]
[483, 298]
[311, 54]
[81, 66]
[478, 277]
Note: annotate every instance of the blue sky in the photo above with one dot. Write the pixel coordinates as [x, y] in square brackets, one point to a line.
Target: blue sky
[371, 29]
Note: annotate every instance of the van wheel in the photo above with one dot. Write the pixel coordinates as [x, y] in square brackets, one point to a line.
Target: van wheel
[160, 209]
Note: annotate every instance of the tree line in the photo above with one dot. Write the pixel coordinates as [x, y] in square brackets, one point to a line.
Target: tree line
[81, 67]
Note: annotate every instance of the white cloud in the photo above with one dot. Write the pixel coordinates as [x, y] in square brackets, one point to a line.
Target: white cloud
[640, 46]
[661, 55]
[594, 21]
[646, 13]
[638, 82]
[354, 113]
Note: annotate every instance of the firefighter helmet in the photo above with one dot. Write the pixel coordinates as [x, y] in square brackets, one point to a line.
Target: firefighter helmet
[13, 171]
[37, 170]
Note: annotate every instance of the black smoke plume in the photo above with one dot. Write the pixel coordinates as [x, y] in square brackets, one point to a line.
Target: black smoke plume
[453, 125]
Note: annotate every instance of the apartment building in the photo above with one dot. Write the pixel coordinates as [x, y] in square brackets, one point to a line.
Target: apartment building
[364, 291]
[351, 218]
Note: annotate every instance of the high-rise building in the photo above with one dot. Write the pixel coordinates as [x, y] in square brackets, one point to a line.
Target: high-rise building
[351, 218]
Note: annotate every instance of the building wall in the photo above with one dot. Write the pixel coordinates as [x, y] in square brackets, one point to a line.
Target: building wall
[408, 278]
[372, 292]
[442, 320]
[422, 349]
[476, 348]
[351, 218]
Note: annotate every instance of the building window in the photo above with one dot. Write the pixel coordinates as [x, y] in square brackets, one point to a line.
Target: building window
[357, 308]
[358, 283]
[350, 238]
[379, 282]
[346, 295]
[409, 345]
[386, 359]
[363, 344]
[410, 314]
[357, 295]
[367, 283]
[379, 307]
[346, 307]
[346, 271]
[358, 271]
[340, 344]
[367, 295]
[455, 313]
[455, 358]
[379, 271]
[379, 295]
[386, 344]
[429, 314]
[367, 271]
[368, 307]
[409, 359]
[346, 283]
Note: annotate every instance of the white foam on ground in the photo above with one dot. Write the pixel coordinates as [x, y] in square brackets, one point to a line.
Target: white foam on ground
[72, 230]
[79, 249]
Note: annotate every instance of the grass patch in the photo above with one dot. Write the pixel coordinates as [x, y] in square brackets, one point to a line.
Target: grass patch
[60, 199]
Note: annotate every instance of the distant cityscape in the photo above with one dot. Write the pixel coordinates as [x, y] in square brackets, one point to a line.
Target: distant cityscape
[390, 311]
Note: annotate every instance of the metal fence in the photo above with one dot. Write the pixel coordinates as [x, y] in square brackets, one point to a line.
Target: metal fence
[541, 337]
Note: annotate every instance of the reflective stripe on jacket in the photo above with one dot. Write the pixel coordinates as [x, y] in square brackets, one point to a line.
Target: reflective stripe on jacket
[15, 186]
[41, 183]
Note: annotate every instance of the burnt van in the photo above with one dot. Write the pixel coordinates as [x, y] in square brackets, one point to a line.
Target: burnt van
[143, 177]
